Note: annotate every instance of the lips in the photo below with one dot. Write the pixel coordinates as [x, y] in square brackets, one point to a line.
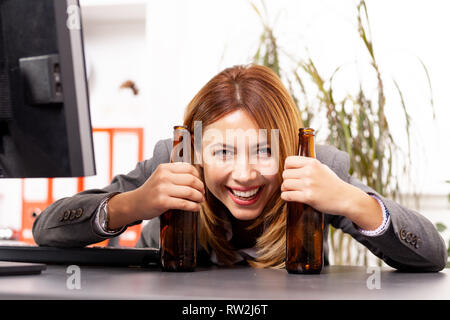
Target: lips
[245, 196]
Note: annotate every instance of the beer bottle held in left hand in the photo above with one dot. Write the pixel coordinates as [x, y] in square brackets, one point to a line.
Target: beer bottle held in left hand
[304, 225]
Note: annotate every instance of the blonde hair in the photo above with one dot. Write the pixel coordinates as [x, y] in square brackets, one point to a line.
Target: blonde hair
[258, 91]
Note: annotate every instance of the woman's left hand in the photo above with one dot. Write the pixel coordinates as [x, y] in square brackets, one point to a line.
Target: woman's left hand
[308, 181]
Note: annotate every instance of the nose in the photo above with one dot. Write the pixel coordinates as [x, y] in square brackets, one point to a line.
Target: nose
[243, 171]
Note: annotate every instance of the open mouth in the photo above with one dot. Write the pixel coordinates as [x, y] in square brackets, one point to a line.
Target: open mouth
[245, 197]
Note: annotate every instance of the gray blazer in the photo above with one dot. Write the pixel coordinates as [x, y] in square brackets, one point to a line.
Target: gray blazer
[411, 242]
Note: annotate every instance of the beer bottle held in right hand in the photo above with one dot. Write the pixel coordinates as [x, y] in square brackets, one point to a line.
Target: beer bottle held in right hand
[178, 228]
[304, 225]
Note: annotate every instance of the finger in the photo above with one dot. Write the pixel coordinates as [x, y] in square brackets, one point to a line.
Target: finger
[298, 162]
[184, 167]
[182, 204]
[297, 196]
[185, 192]
[292, 185]
[297, 173]
[186, 179]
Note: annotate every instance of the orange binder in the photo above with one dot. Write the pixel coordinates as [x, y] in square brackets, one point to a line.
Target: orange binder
[32, 208]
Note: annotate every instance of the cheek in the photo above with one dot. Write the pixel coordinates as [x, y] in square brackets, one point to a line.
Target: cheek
[215, 177]
[274, 184]
[268, 167]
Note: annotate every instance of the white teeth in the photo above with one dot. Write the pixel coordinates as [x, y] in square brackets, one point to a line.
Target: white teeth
[246, 194]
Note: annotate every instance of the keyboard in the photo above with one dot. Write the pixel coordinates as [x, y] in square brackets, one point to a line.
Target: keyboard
[20, 268]
[100, 256]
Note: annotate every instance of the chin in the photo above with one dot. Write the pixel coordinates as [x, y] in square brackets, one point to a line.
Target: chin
[245, 215]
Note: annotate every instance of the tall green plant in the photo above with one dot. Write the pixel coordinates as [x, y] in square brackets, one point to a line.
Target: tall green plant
[356, 124]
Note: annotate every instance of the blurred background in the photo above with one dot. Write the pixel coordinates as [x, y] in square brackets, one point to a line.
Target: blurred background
[147, 59]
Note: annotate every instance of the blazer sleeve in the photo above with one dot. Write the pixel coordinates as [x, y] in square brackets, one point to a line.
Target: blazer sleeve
[68, 222]
[410, 243]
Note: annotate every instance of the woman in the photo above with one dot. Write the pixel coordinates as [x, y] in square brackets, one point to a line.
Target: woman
[243, 207]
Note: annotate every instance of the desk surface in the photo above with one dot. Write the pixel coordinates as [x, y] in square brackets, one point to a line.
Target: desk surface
[335, 282]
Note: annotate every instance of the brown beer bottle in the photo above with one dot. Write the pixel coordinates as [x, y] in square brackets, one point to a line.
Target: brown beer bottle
[178, 228]
[304, 225]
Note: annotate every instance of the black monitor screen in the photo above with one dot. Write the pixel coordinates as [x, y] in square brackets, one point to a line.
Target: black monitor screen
[45, 127]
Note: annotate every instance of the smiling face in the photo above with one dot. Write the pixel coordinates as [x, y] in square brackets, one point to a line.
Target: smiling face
[235, 164]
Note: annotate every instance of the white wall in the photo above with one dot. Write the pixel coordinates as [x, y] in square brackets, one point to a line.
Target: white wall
[172, 48]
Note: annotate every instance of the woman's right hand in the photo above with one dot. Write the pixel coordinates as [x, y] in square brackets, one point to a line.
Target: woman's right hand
[171, 186]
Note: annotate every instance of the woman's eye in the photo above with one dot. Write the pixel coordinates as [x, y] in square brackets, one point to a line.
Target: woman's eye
[264, 151]
[223, 153]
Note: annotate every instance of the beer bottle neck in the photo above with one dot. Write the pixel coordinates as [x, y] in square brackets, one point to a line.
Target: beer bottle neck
[306, 145]
[181, 149]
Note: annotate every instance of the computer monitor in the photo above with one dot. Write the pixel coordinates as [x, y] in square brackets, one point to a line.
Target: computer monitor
[45, 126]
